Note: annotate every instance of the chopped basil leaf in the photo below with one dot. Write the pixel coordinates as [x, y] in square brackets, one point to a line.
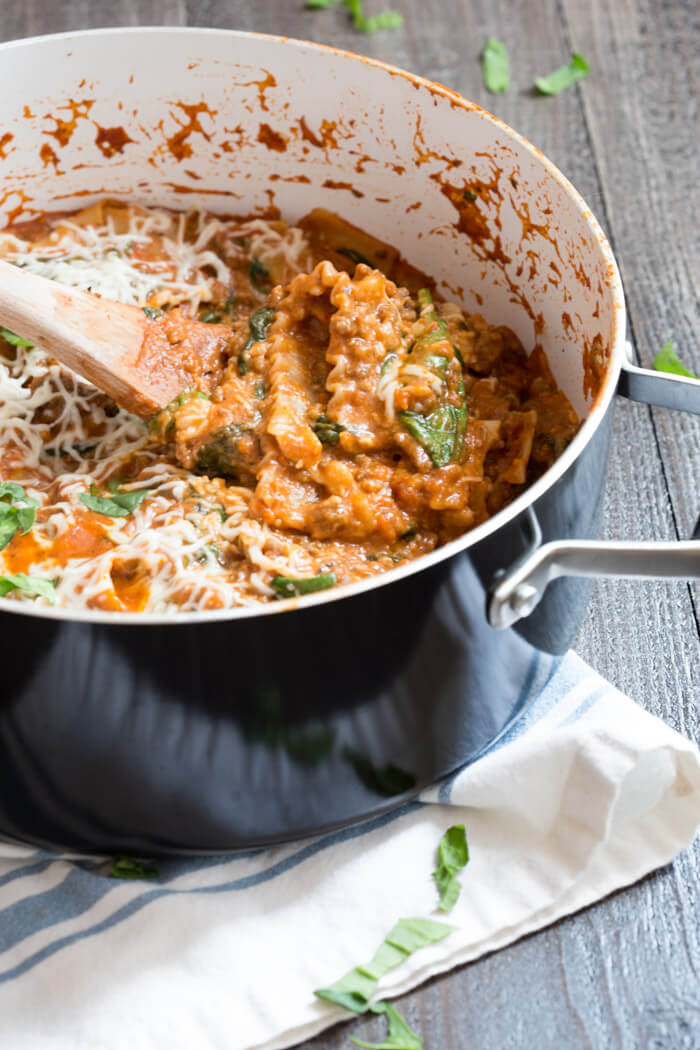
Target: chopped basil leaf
[563, 77]
[469, 195]
[288, 587]
[242, 363]
[29, 584]
[667, 361]
[259, 391]
[354, 990]
[355, 257]
[259, 275]
[327, 432]
[386, 20]
[13, 490]
[13, 518]
[494, 63]
[210, 317]
[15, 340]
[386, 781]
[437, 432]
[125, 868]
[151, 313]
[230, 303]
[453, 855]
[118, 505]
[400, 1035]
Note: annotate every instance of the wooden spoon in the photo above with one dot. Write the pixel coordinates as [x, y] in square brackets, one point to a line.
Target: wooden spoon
[141, 363]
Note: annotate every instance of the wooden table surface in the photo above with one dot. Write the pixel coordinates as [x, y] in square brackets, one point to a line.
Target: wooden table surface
[626, 972]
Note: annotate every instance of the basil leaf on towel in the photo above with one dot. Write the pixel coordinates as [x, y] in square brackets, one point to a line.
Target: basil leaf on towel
[399, 1037]
[453, 855]
[354, 990]
[563, 77]
[667, 361]
[34, 585]
[494, 65]
[126, 868]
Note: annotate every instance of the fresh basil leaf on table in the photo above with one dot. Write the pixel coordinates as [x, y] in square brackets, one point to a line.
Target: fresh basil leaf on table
[667, 361]
[563, 77]
[400, 1035]
[495, 66]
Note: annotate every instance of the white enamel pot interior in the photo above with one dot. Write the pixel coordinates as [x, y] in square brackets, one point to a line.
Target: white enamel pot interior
[241, 123]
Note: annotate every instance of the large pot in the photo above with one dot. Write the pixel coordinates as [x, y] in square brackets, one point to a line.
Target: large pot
[221, 730]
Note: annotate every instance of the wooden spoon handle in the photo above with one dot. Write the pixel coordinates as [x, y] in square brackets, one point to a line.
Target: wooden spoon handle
[99, 339]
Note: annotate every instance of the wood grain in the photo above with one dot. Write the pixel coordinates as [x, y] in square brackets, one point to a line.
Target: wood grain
[625, 974]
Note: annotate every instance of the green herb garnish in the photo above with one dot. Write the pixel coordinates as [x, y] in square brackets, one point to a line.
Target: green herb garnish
[400, 1035]
[667, 361]
[469, 195]
[118, 505]
[494, 64]
[12, 517]
[288, 587]
[126, 868]
[563, 77]
[259, 276]
[151, 313]
[15, 340]
[453, 855]
[29, 584]
[355, 989]
[327, 432]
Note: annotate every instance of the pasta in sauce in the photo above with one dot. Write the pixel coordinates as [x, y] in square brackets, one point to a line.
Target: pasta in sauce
[346, 419]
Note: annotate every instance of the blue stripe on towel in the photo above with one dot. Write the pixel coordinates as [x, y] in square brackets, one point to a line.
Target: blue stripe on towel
[157, 892]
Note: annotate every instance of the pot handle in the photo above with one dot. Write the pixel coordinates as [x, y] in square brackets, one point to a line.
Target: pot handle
[658, 388]
[516, 593]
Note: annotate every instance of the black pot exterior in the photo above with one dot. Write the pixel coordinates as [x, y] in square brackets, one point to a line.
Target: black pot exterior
[228, 735]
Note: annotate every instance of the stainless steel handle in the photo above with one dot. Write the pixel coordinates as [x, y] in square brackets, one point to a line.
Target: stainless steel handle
[658, 388]
[517, 593]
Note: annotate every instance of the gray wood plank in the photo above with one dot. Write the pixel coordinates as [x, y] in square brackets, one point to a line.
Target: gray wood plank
[625, 972]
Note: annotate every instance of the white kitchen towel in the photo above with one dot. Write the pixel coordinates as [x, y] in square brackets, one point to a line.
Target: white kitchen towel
[585, 794]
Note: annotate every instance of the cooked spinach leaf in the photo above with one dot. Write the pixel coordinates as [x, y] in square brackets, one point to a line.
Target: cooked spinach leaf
[288, 587]
[495, 67]
[259, 276]
[118, 505]
[453, 855]
[259, 325]
[327, 432]
[667, 361]
[15, 340]
[563, 77]
[211, 317]
[29, 584]
[354, 990]
[355, 257]
[400, 1035]
[436, 432]
[126, 868]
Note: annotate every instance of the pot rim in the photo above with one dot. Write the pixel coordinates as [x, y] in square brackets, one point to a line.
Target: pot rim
[595, 416]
